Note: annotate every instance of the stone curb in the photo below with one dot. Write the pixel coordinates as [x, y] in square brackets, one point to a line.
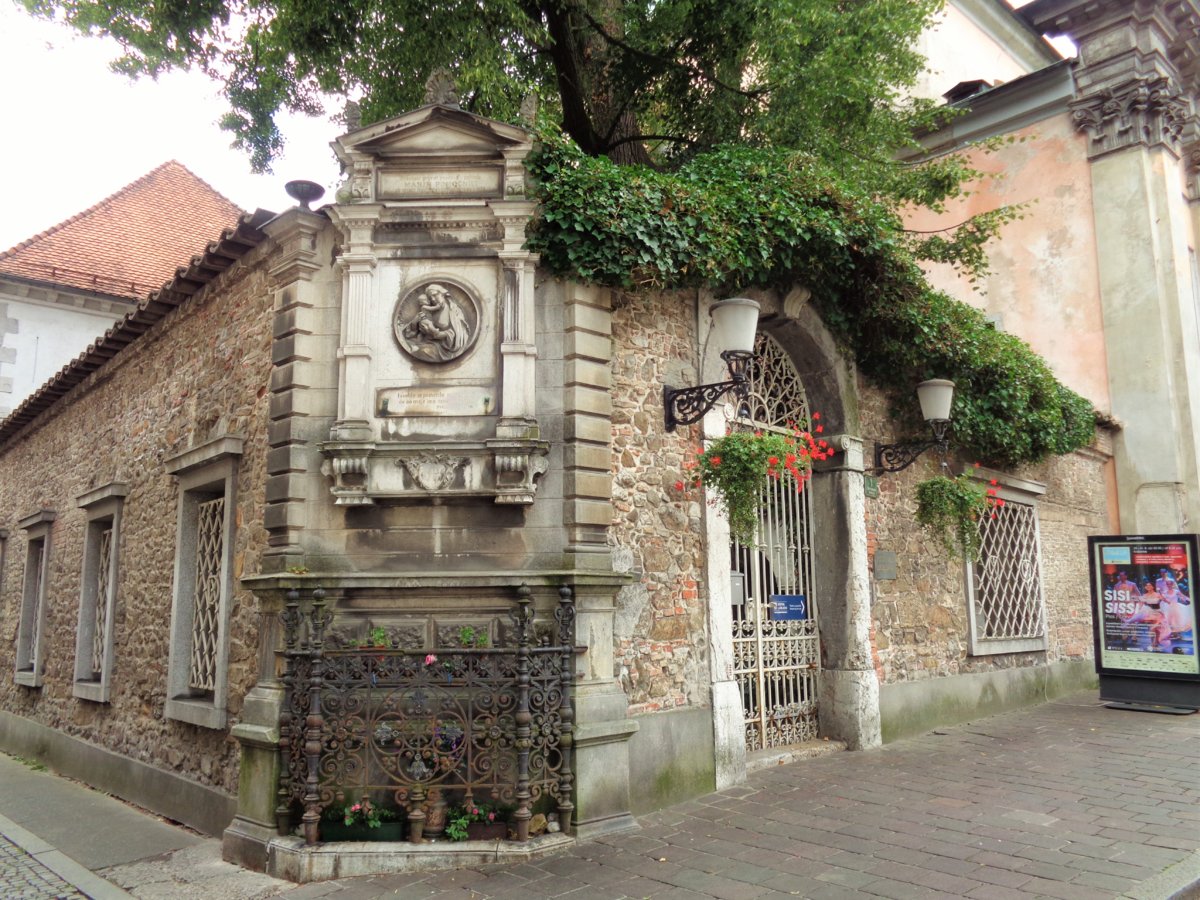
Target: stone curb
[79, 877]
[1180, 882]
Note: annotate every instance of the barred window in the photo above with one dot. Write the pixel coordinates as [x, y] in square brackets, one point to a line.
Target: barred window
[210, 542]
[98, 591]
[1004, 587]
[31, 627]
[196, 673]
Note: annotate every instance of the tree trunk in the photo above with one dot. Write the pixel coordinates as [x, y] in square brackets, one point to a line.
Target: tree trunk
[599, 122]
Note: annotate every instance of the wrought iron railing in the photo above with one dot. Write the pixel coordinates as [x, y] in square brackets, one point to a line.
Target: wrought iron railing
[488, 725]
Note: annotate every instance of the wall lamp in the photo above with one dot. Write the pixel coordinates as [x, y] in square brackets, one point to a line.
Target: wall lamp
[734, 324]
[935, 397]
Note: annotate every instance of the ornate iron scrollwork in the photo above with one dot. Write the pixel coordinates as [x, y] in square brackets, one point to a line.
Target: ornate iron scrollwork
[492, 723]
[684, 406]
[897, 457]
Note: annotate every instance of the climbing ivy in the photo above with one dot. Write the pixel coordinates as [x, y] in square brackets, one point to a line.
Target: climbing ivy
[742, 217]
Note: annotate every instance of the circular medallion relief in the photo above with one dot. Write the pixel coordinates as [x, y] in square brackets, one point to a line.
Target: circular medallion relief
[436, 321]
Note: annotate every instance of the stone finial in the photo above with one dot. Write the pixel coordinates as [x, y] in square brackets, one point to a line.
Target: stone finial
[440, 89]
[529, 107]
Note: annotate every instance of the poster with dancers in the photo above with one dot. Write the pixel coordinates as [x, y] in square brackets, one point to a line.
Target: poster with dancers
[1143, 613]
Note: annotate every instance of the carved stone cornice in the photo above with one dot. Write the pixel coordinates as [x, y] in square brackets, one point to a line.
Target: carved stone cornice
[364, 473]
[1145, 111]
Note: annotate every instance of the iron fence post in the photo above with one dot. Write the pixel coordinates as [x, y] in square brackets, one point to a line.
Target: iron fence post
[565, 614]
[315, 721]
[289, 617]
[523, 717]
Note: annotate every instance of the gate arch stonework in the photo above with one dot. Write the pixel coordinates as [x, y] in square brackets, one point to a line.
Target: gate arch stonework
[846, 686]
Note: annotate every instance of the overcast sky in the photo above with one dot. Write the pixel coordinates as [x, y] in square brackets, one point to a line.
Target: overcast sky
[74, 132]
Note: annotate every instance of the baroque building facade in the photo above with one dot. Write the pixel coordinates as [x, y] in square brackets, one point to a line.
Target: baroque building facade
[383, 421]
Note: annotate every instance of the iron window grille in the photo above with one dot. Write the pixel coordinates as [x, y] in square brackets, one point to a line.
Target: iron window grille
[1004, 586]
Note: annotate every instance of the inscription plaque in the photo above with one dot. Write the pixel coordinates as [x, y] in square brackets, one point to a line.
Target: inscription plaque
[416, 184]
[451, 400]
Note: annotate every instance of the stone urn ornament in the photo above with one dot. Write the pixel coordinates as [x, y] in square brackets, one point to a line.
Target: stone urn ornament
[435, 814]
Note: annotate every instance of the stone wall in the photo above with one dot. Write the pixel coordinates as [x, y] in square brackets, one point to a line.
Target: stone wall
[200, 372]
[920, 618]
[657, 532]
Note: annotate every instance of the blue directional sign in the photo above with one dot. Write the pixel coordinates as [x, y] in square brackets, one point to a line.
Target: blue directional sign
[789, 606]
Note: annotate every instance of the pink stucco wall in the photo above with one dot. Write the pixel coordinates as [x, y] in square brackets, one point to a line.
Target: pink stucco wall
[1044, 283]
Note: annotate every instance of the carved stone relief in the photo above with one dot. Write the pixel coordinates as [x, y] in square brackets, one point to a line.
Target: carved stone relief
[517, 470]
[440, 89]
[1142, 111]
[436, 322]
[349, 632]
[432, 471]
[437, 350]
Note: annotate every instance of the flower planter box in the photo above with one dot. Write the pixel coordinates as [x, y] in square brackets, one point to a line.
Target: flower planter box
[487, 831]
[340, 831]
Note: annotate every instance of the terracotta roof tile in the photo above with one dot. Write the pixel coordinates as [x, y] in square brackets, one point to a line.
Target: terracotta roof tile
[131, 242]
[242, 235]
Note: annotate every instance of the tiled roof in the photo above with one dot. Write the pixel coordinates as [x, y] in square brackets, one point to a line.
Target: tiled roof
[129, 243]
[243, 235]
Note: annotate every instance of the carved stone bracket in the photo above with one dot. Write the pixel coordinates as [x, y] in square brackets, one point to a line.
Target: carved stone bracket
[518, 466]
[1145, 111]
[346, 463]
[365, 473]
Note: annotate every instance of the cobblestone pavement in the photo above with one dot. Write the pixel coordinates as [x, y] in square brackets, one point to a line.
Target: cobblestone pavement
[1064, 800]
[22, 876]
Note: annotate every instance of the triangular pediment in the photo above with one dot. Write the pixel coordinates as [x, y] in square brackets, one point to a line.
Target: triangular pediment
[432, 131]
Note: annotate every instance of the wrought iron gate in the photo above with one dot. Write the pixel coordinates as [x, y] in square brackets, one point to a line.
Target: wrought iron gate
[776, 650]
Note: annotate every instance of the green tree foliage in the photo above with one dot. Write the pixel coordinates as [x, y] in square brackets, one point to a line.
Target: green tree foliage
[632, 79]
[757, 138]
[742, 217]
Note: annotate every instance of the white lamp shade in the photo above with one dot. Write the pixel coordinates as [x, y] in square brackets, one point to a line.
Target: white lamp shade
[735, 322]
[936, 396]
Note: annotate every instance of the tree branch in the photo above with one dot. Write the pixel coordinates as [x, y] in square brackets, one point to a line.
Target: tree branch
[645, 54]
[675, 139]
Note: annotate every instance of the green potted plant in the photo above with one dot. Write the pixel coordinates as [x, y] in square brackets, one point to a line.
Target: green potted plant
[951, 508]
[472, 638]
[360, 821]
[741, 465]
[475, 822]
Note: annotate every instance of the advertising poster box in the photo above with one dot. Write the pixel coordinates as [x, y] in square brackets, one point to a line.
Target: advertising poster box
[1144, 618]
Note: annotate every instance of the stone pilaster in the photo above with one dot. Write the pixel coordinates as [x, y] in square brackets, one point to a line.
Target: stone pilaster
[293, 373]
[603, 729]
[587, 413]
[1137, 80]
[729, 718]
[518, 349]
[357, 263]
[849, 685]
[245, 840]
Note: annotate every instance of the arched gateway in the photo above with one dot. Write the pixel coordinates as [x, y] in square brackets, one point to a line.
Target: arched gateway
[776, 652]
